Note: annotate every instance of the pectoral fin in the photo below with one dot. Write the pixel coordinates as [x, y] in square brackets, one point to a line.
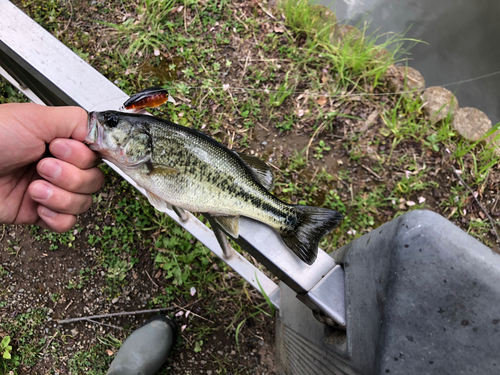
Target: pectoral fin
[229, 223]
[159, 169]
[261, 171]
[157, 202]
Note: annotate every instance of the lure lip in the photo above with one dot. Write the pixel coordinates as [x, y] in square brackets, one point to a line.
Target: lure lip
[171, 99]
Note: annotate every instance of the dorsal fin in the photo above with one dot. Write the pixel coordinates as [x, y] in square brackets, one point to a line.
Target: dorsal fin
[261, 171]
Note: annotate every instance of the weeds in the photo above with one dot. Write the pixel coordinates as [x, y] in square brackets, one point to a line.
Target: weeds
[149, 29]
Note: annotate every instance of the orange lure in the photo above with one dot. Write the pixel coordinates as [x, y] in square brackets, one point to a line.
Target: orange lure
[149, 98]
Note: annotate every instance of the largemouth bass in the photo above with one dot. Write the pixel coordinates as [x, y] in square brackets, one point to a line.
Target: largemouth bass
[185, 168]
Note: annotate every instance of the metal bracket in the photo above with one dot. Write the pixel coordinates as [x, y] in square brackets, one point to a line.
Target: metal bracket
[52, 73]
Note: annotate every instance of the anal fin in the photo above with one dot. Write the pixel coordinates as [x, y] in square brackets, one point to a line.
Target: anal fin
[230, 224]
[227, 250]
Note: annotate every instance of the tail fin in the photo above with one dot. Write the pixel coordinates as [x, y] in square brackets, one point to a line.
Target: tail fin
[313, 224]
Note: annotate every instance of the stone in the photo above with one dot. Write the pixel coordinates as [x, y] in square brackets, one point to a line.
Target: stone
[438, 103]
[471, 123]
[404, 78]
[343, 32]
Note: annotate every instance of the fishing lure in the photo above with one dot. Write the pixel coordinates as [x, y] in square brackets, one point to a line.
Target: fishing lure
[151, 97]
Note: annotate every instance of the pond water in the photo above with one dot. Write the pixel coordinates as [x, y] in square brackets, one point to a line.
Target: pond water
[461, 42]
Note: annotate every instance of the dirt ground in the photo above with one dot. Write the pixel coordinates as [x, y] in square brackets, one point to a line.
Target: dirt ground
[35, 273]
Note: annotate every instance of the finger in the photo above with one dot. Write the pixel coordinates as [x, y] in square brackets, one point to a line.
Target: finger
[57, 199]
[55, 122]
[70, 178]
[55, 221]
[74, 152]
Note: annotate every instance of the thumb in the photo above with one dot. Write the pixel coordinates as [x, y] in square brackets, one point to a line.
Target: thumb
[57, 122]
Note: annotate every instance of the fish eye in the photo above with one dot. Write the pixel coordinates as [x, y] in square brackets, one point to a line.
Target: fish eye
[111, 120]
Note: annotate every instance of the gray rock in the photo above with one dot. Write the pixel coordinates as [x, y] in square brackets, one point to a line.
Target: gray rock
[404, 78]
[471, 123]
[438, 103]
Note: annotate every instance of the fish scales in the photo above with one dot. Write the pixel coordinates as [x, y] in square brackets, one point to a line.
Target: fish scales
[209, 179]
[185, 168]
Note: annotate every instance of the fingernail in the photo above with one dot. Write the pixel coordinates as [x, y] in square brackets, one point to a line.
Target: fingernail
[47, 213]
[49, 168]
[41, 191]
[60, 149]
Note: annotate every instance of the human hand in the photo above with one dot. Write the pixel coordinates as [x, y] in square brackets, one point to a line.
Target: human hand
[49, 192]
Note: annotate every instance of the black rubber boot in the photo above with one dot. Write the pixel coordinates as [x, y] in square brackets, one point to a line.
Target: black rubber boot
[146, 349]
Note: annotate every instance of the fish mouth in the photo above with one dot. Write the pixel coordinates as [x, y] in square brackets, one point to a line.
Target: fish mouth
[94, 131]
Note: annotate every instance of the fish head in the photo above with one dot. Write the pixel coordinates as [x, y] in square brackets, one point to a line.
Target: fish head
[117, 137]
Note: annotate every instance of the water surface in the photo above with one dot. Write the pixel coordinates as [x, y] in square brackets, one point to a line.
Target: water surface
[462, 42]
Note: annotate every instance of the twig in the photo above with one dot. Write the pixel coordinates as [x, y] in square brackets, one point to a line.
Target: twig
[371, 171]
[493, 209]
[3, 233]
[266, 11]
[71, 320]
[493, 224]
[70, 17]
[199, 316]
[105, 324]
[235, 106]
[52, 338]
[18, 250]
[202, 100]
[320, 128]
[344, 183]
[241, 21]
[315, 173]
[156, 285]
[275, 167]
[245, 68]
[263, 127]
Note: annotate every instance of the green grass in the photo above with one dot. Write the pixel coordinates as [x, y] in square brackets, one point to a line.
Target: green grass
[358, 59]
[149, 29]
[25, 342]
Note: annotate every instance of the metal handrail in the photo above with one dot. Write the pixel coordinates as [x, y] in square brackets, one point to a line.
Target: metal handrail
[48, 72]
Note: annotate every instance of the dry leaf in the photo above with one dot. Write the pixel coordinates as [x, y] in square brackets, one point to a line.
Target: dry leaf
[321, 101]
[324, 79]
[279, 29]
[109, 352]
